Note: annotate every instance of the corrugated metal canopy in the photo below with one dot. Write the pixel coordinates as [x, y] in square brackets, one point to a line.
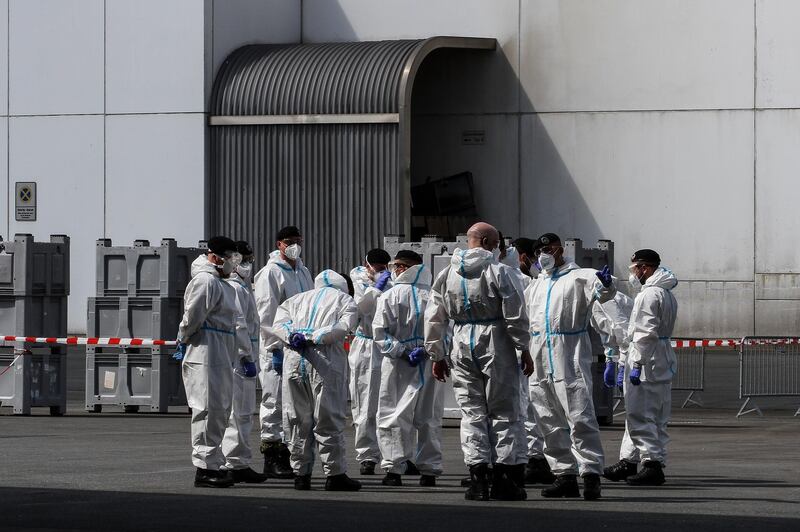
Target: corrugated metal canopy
[308, 79]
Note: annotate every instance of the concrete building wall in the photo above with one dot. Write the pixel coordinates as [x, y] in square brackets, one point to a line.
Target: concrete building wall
[103, 103]
[670, 124]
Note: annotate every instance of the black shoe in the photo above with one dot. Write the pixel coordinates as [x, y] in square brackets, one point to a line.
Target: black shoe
[276, 462]
[620, 471]
[427, 481]
[248, 476]
[479, 483]
[538, 472]
[504, 485]
[652, 474]
[392, 479]
[342, 483]
[368, 467]
[207, 478]
[565, 486]
[591, 487]
[302, 482]
[411, 469]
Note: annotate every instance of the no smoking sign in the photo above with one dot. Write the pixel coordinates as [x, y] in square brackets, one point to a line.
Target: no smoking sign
[25, 201]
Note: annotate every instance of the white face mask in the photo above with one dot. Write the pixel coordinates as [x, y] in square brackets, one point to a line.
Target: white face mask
[293, 252]
[636, 284]
[547, 262]
[245, 270]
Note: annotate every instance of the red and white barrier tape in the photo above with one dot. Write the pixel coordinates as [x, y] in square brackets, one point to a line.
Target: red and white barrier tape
[76, 340]
[705, 343]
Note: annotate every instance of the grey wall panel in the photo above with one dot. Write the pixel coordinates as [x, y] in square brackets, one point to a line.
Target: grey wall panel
[338, 183]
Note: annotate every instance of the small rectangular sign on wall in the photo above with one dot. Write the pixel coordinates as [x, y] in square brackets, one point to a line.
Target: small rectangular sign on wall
[25, 201]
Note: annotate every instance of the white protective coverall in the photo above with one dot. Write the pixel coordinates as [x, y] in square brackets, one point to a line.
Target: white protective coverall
[491, 324]
[411, 402]
[648, 406]
[365, 369]
[236, 444]
[560, 305]
[274, 283]
[535, 439]
[315, 379]
[208, 328]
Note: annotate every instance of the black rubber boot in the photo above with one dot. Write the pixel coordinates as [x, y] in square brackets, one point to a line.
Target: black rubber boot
[207, 478]
[538, 471]
[504, 485]
[565, 486]
[591, 487]
[247, 476]
[302, 482]
[342, 483]
[517, 473]
[392, 479]
[479, 483]
[466, 482]
[652, 474]
[367, 467]
[427, 481]
[276, 462]
[411, 469]
[620, 471]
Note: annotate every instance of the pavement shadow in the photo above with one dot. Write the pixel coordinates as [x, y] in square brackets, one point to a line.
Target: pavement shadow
[49, 509]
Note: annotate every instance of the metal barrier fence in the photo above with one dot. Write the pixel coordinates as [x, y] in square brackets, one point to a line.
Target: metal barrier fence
[690, 374]
[769, 366]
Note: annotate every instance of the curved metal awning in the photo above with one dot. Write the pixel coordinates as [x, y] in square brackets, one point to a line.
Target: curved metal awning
[353, 82]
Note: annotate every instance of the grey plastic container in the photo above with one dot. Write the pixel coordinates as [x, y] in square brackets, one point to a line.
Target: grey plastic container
[30, 268]
[33, 315]
[144, 270]
[134, 317]
[37, 379]
[132, 378]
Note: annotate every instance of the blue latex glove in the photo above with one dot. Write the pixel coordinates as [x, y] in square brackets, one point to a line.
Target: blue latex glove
[297, 341]
[621, 376]
[416, 356]
[180, 352]
[636, 375]
[249, 368]
[277, 361]
[605, 276]
[610, 374]
[383, 280]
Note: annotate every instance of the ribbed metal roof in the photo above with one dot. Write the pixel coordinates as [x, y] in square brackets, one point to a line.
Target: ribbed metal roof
[307, 79]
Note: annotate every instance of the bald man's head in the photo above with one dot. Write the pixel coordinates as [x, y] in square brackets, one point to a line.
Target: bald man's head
[483, 235]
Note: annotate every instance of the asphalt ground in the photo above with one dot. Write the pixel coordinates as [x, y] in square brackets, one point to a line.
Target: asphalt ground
[116, 471]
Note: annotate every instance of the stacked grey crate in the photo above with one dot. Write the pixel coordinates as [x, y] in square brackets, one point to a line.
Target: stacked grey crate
[34, 285]
[139, 295]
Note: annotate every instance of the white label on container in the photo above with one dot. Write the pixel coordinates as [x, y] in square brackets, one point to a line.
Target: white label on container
[108, 381]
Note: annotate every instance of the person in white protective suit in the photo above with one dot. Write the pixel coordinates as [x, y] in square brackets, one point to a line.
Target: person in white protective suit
[313, 326]
[236, 442]
[207, 347]
[491, 324]
[369, 282]
[518, 257]
[410, 405]
[560, 302]
[649, 365]
[283, 277]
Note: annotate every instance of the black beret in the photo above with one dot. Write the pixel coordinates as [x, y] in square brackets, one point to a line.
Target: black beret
[406, 255]
[243, 248]
[289, 231]
[647, 256]
[378, 256]
[547, 239]
[220, 245]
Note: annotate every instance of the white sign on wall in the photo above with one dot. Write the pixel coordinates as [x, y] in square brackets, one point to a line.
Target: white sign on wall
[25, 201]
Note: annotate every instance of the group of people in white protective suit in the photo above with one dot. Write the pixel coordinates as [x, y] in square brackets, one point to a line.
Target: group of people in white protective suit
[509, 326]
